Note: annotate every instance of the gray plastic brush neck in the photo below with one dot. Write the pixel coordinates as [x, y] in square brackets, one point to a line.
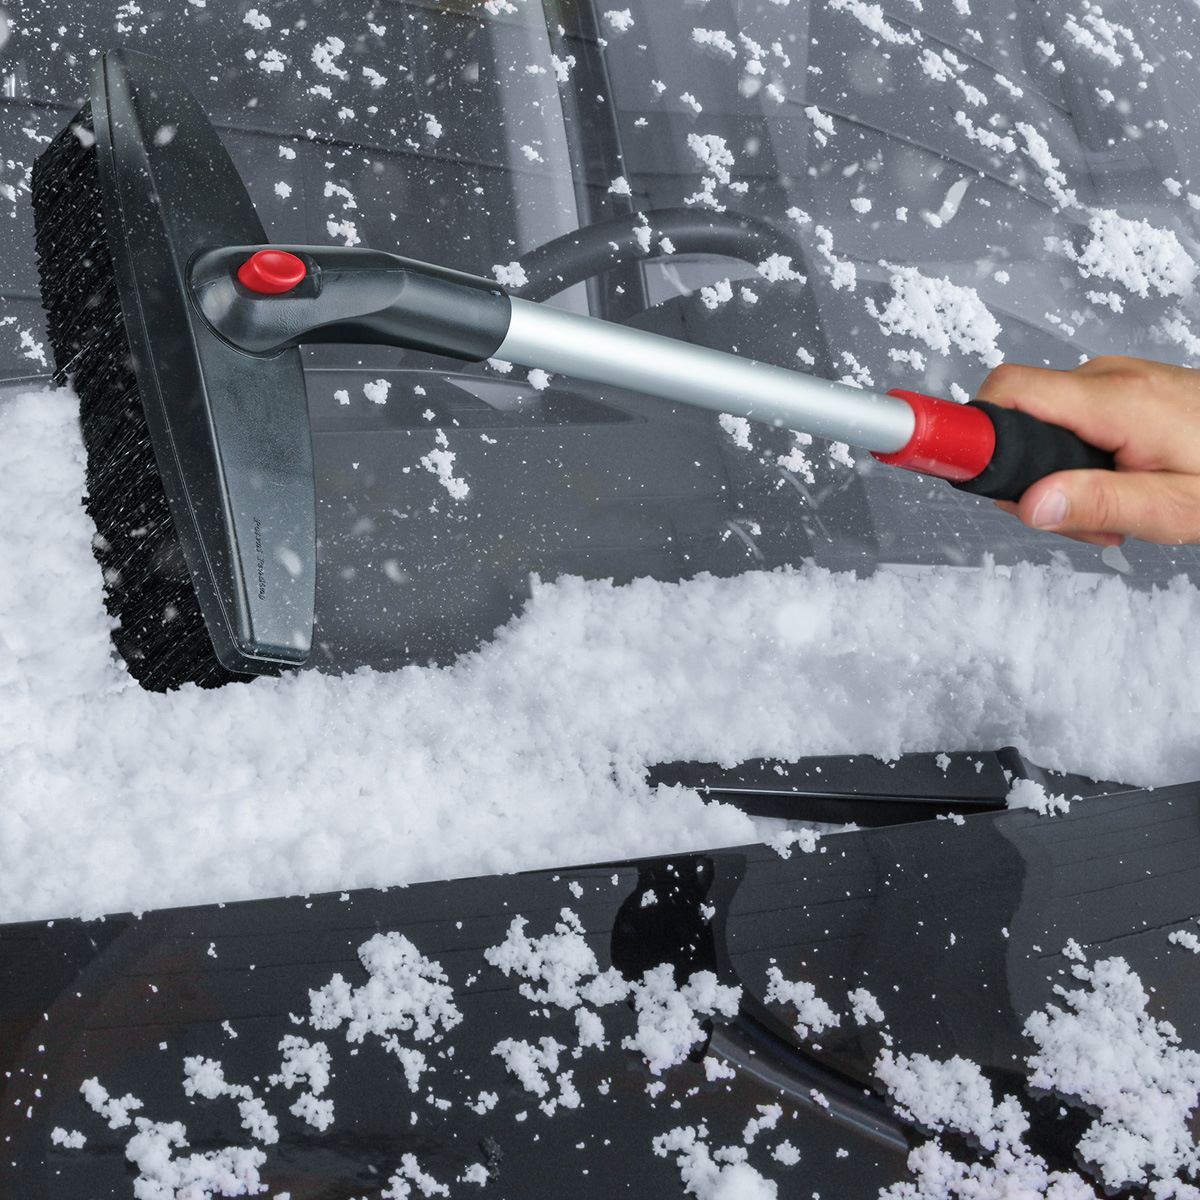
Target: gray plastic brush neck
[360, 295]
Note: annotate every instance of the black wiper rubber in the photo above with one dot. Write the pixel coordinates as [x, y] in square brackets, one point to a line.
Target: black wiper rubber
[869, 791]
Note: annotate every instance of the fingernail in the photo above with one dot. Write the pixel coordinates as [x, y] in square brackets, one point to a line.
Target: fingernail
[1051, 510]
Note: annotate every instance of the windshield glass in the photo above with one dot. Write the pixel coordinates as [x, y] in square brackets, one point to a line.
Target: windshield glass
[964, 184]
[892, 195]
[929, 189]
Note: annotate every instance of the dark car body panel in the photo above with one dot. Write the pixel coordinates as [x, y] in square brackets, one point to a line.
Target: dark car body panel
[957, 929]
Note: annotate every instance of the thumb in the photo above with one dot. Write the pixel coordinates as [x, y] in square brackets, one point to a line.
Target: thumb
[1156, 506]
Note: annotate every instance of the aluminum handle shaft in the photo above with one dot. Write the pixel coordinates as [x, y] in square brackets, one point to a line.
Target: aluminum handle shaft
[602, 352]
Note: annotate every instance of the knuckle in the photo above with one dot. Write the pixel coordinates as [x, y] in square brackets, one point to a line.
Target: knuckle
[1002, 378]
[1099, 506]
[1003, 373]
[1178, 515]
[1136, 375]
[1106, 363]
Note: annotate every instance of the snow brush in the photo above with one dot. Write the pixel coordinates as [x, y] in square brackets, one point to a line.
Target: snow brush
[180, 327]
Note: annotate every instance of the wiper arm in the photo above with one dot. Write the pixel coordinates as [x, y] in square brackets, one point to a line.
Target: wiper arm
[869, 791]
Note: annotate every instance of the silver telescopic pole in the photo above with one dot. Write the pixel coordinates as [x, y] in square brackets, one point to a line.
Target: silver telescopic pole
[601, 352]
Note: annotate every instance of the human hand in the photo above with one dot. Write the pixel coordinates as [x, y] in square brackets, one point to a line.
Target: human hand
[1147, 414]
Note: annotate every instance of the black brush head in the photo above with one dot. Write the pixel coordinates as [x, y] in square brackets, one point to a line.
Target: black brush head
[200, 474]
[147, 585]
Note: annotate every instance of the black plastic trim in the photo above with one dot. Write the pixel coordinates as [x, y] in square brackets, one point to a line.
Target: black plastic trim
[583, 253]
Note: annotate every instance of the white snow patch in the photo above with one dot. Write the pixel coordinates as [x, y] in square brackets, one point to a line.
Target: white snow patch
[813, 1015]
[942, 314]
[715, 39]
[843, 275]
[786, 1154]
[768, 1118]
[714, 295]
[530, 1063]
[738, 429]
[440, 462]
[955, 1095]
[1103, 1047]
[987, 138]
[325, 55]
[798, 463]
[669, 1016]
[1037, 150]
[306, 1065]
[724, 1174]
[822, 124]
[717, 159]
[161, 1175]
[1100, 1049]
[1135, 254]
[779, 267]
[345, 229]
[511, 275]
[806, 839]
[715, 1068]
[633, 674]
[205, 1077]
[871, 17]
[557, 964]
[410, 1175]
[1102, 38]
[1028, 793]
[950, 205]
[1185, 938]
[865, 1007]
[113, 1110]
[405, 994]
[377, 391]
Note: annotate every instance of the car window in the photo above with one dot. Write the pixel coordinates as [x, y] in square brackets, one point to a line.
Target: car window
[954, 183]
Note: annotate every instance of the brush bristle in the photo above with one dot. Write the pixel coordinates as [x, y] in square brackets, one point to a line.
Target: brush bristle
[147, 586]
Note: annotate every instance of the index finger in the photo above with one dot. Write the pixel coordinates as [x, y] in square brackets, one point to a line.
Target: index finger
[1064, 398]
[1132, 408]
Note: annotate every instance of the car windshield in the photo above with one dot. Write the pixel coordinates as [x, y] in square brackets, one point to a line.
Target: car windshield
[897, 195]
[962, 184]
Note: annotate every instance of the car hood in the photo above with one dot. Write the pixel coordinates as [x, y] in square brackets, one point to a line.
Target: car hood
[956, 929]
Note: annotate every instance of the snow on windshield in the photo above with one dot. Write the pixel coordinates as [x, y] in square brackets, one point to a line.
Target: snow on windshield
[961, 188]
[960, 183]
[1097, 1047]
[531, 752]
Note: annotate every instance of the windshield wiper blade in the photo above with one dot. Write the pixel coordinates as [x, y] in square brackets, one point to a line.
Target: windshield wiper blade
[869, 791]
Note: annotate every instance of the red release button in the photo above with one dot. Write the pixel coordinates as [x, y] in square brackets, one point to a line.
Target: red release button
[272, 272]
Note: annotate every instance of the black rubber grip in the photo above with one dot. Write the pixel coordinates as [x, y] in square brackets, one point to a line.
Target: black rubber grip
[1028, 450]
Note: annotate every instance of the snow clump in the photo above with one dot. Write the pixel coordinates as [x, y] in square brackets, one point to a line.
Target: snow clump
[940, 313]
